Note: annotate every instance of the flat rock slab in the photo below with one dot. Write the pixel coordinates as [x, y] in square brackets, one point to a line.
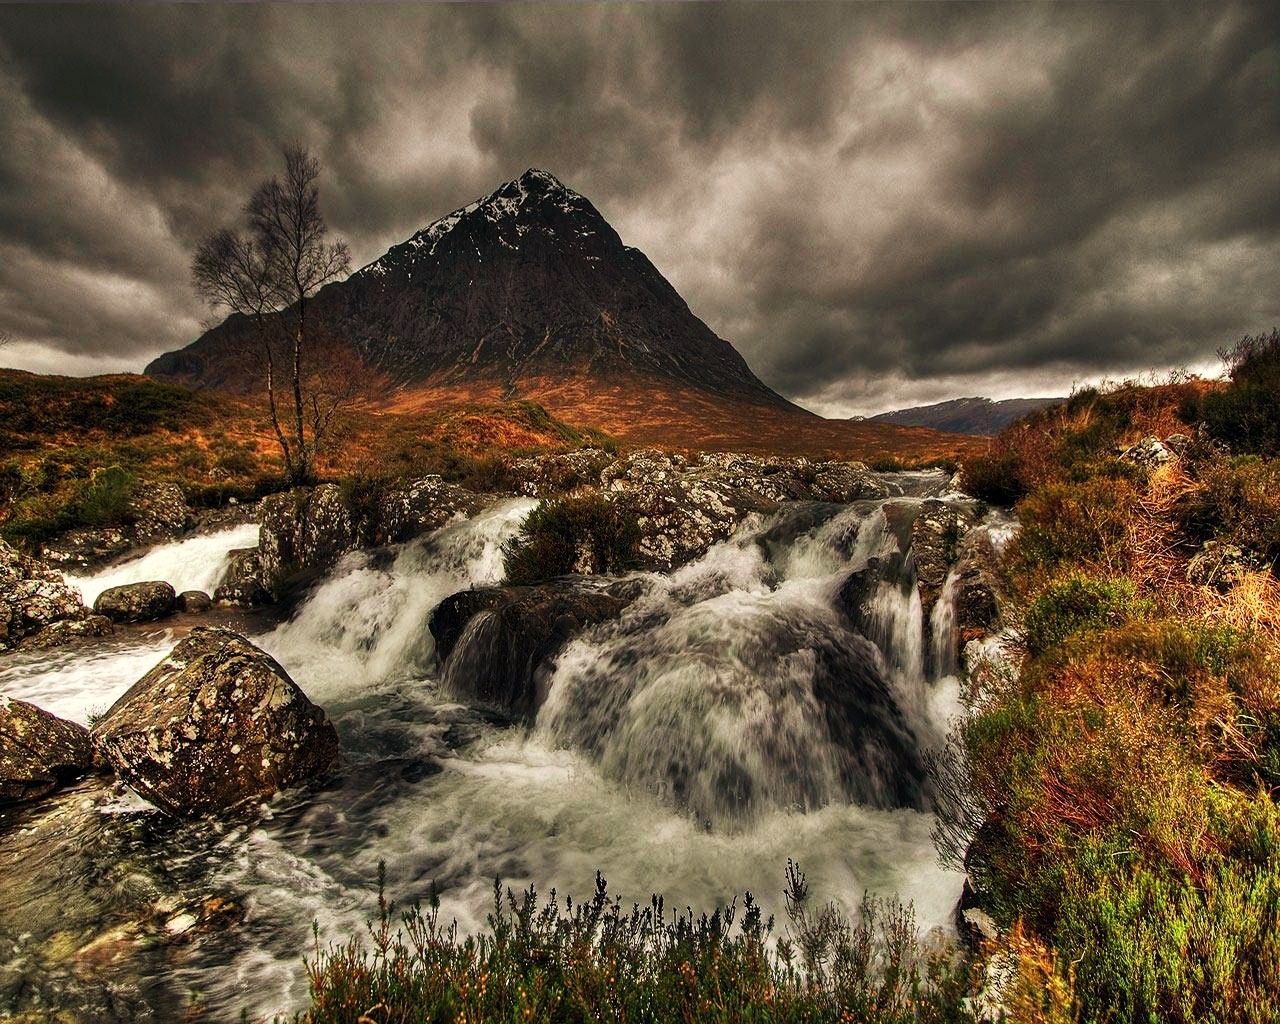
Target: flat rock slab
[38, 751]
[218, 722]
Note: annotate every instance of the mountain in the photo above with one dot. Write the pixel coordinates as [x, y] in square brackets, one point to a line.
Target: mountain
[980, 416]
[527, 283]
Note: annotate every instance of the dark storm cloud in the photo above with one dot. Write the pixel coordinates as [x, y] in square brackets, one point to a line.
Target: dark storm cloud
[872, 201]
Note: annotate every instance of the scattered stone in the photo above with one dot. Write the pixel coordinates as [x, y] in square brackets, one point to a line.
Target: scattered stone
[559, 472]
[1150, 452]
[1179, 444]
[194, 602]
[1221, 565]
[39, 752]
[32, 596]
[136, 602]
[216, 723]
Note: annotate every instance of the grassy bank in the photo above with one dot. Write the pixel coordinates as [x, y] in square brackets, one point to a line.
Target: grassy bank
[1125, 771]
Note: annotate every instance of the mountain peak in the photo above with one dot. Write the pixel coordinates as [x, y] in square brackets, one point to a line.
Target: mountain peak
[536, 177]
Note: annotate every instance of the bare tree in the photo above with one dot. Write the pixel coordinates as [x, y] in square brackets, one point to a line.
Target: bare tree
[269, 274]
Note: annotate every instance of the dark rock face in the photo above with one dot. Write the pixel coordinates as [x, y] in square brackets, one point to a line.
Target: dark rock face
[136, 602]
[528, 282]
[32, 596]
[38, 751]
[495, 643]
[216, 723]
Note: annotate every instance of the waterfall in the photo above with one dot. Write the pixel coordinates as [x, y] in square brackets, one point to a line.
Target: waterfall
[784, 669]
[197, 563]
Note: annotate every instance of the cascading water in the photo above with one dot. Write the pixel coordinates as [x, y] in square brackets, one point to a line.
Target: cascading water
[197, 563]
[768, 701]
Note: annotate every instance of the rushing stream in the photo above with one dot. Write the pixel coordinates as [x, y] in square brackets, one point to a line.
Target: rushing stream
[689, 748]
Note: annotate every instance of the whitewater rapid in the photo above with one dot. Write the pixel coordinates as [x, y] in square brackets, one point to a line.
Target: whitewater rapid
[709, 676]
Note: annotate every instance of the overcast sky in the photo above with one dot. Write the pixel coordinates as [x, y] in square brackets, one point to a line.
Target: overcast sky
[879, 205]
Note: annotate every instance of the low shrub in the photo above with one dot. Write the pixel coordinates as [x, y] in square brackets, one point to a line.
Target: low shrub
[1074, 525]
[1245, 415]
[1238, 502]
[1076, 603]
[575, 534]
[596, 962]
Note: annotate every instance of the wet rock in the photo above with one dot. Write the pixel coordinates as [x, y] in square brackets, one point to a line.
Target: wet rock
[194, 602]
[936, 536]
[307, 530]
[242, 584]
[496, 642]
[1150, 452]
[136, 602]
[39, 752]
[66, 631]
[218, 722]
[32, 596]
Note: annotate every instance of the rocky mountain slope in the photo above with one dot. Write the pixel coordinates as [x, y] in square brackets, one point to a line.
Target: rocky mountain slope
[527, 283]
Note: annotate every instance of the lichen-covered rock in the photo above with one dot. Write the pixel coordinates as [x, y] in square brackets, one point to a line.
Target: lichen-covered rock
[307, 530]
[38, 751]
[159, 513]
[558, 472]
[417, 508]
[936, 534]
[216, 723]
[136, 602]
[194, 602]
[242, 584]
[32, 595]
[682, 508]
[67, 630]
[496, 642]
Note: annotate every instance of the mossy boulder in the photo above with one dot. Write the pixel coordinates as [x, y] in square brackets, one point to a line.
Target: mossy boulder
[39, 752]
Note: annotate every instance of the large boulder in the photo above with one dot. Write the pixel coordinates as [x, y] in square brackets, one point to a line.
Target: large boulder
[136, 602]
[38, 751]
[32, 596]
[496, 643]
[159, 513]
[65, 631]
[216, 723]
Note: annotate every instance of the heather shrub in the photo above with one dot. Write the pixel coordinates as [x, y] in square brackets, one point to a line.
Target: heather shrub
[1238, 502]
[1080, 525]
[570, 535]
[598, 962]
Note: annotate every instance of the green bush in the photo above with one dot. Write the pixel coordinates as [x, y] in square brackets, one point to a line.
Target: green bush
[1078, 603]
[564, 535]
[1075, 525]
[104, 500]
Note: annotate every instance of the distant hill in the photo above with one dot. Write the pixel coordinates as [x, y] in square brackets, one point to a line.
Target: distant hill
[978, 416]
